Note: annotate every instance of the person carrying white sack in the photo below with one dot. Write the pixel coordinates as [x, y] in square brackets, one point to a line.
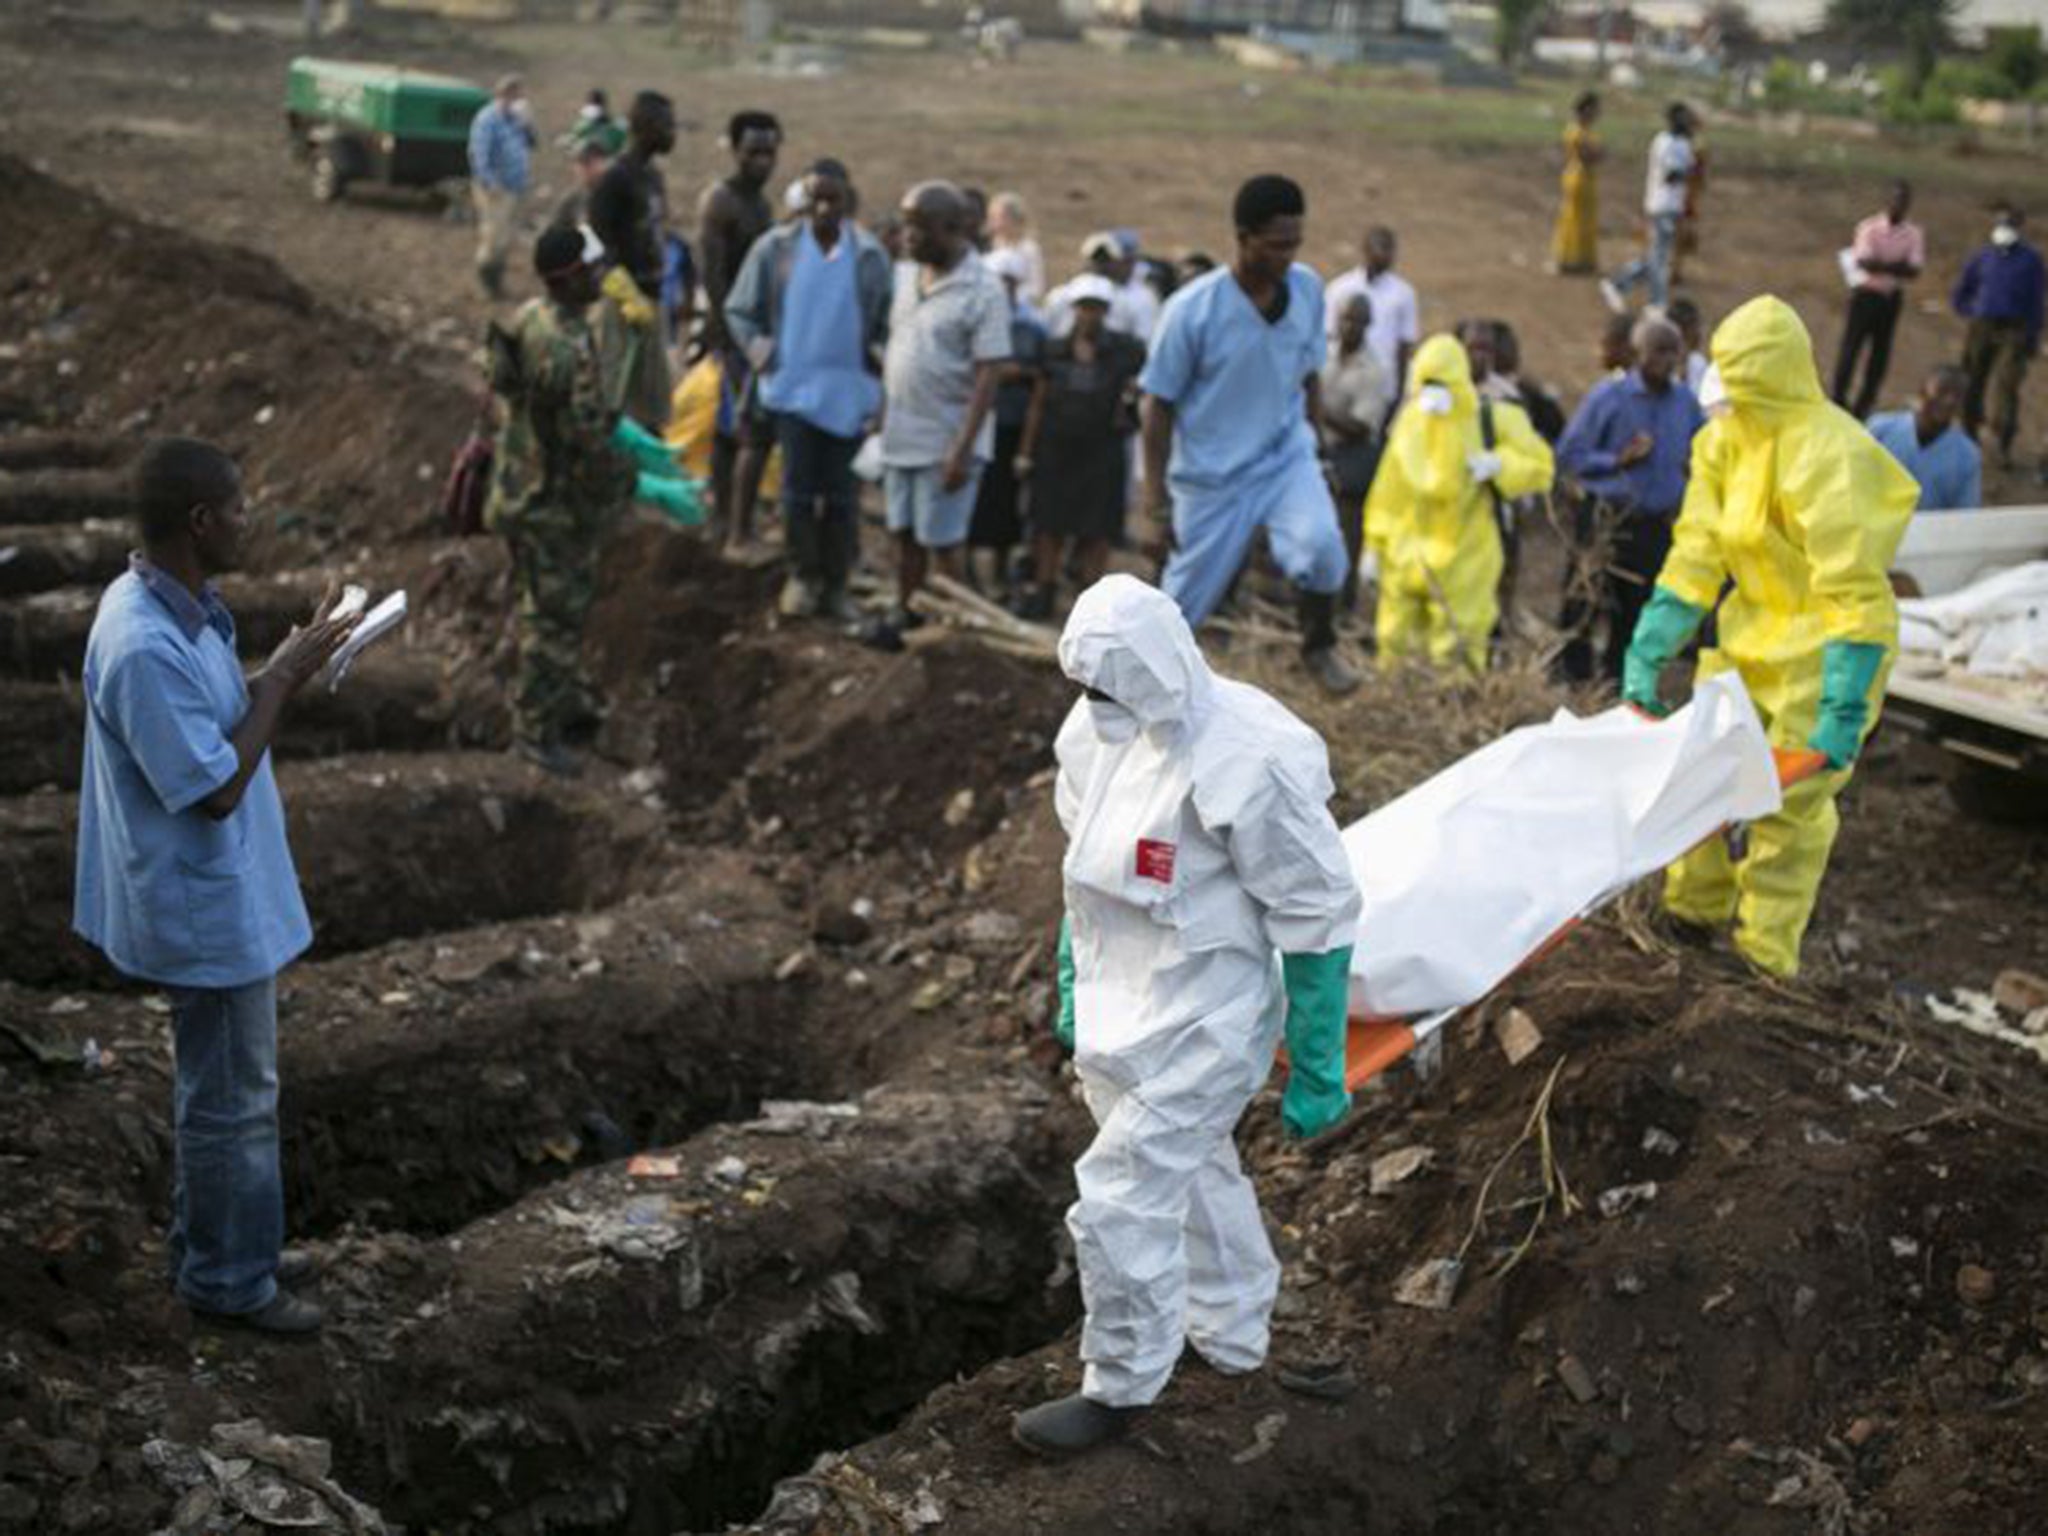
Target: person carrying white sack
[1209, 907]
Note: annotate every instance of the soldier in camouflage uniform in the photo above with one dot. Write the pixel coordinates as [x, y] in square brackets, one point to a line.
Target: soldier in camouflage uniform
[559, 485]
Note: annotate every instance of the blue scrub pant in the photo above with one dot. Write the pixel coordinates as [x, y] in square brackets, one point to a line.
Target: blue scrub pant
[1213, 529]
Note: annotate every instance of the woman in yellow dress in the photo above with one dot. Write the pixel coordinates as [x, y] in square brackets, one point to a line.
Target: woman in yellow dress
[1575, 245]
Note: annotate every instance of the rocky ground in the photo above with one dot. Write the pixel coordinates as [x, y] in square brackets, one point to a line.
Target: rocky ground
[685, 1148]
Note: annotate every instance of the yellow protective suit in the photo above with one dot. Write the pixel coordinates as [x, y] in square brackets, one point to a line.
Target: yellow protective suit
[693, 420]
[1792, 500]
[1431, 524]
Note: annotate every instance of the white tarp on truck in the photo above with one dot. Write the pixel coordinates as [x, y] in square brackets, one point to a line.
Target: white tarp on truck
[1994, 627]
[1469, 874]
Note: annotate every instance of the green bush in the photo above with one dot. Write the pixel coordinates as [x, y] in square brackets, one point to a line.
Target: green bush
[1960, 78]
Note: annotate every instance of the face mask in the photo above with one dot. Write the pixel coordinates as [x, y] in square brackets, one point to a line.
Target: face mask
[1434, 400]
[2004, 234]
[1113, 723]
[1714, 394]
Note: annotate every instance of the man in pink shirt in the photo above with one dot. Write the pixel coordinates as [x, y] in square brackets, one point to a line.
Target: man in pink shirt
[1888, 252]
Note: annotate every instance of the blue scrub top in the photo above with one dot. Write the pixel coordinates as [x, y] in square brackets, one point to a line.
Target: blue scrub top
[1235, 379]
[1950, 469]
[168, 892]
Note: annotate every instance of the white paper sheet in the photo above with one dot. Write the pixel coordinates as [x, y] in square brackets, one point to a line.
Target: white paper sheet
[377, 623]
[1466, 875]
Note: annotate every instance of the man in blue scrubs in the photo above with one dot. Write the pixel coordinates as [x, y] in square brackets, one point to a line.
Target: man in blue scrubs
[1230, 441]
[1934, 450]
[184, 878]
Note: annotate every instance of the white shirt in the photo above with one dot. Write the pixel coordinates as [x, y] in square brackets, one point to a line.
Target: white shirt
[1696, 366]
[1670, 156]
[1396, 317]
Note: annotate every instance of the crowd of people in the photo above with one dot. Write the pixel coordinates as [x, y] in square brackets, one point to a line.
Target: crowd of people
[1711, 489]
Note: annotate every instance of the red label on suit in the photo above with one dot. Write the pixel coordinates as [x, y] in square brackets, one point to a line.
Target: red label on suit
[1155, 861]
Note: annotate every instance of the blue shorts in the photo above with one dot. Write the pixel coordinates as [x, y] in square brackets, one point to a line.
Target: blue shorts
[937, 518]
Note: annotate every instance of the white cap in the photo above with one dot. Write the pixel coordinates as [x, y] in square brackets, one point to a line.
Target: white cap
[1091, 288]
[1102, 243]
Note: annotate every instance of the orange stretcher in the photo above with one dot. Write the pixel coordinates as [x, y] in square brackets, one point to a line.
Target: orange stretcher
[1374, 1042]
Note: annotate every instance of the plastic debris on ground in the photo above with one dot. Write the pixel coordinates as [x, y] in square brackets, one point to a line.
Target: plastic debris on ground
[248, 1479]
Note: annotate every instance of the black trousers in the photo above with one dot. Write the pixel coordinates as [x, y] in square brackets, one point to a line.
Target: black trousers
[820, 501]
[1873, 318]
[1634, 545]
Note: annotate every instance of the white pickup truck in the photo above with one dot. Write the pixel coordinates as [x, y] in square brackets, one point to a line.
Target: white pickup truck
[1997, 729]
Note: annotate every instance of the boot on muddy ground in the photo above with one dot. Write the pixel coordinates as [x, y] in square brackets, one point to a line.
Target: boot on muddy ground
[549, 756]
[295, 1266]
[1318, 618]
[1067, 1426]
[1331, 671]
[284, 1314]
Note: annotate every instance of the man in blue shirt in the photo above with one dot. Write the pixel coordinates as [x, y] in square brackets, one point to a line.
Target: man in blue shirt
[2001, 294]
[501, 139]
[1231, 402]
[1933, 449]
[184, 878]
[810, 311]
[1628, 450]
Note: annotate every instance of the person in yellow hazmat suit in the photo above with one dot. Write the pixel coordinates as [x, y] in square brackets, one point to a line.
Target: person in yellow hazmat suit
[1795, 503]
[1452, 461]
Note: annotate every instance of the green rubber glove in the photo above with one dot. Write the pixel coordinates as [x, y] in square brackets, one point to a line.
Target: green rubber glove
[682, 500]
[1063, 1024]
[1847, 669]
[1318, 1002]
[1666, 623]
[646, 449]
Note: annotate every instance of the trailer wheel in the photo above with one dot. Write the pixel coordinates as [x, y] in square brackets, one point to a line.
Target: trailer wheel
[1990, 793]
[329, 180]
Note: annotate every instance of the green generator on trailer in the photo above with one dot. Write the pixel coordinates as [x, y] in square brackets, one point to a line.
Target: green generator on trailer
[379, 123]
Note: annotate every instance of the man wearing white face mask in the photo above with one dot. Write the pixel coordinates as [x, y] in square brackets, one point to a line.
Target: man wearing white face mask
[2000, 293]
[1209, 905]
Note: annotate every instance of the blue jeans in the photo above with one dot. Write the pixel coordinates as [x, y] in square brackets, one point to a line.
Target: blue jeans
[227, 1204]
[1655, 265]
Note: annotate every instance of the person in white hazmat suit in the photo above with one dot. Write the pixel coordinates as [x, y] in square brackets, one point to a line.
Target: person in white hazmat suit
[1209, 906]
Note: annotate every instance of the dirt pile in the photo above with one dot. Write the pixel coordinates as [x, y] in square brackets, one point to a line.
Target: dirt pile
[122, 328]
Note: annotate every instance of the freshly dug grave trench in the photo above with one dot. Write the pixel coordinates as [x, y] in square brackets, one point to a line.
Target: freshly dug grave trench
[340, 427]
[621, 1355]
[431, 1082]
[61, 450]
[1830, 1313]
[44, 635]
[387, 845]
[392, 701]
[91, 553]
[63, 496]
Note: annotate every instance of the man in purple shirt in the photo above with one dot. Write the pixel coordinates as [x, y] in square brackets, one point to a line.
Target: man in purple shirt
[184, 878]
[1629, 451]
[2000, 293]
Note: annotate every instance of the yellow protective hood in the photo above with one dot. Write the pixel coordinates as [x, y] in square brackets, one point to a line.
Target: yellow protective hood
[1766, 360]
[1432, 449]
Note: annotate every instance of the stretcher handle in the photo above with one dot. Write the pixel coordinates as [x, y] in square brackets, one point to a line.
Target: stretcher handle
[1798, 764]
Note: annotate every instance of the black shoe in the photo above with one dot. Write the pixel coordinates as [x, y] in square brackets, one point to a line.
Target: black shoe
[1336, 675]
[550, 756]
[295, 1266]
[1035, 605]
[1068, 1426]
[286, 1314]
[882, 635]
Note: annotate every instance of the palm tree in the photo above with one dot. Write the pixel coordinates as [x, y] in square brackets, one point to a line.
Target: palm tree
[1923, 27]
